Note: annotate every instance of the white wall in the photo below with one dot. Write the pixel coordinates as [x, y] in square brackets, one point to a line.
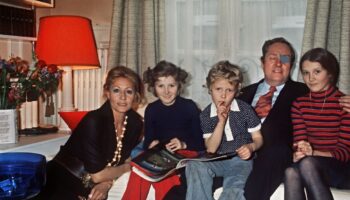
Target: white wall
[99, 11]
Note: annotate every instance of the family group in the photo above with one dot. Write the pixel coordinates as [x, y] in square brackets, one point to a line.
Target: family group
[282, 131]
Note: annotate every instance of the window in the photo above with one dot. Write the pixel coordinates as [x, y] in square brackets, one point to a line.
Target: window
[201, 32]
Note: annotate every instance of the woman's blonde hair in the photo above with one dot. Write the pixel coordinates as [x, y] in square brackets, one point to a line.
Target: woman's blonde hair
[124, 72]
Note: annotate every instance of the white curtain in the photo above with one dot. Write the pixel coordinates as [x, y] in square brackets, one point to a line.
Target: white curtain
[201, 32]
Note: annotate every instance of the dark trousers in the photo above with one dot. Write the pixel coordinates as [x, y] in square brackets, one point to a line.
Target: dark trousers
[268, 172]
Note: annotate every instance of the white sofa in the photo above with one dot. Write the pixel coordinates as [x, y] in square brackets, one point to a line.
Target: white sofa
[279, 194]
[119, 187]
[337, 194]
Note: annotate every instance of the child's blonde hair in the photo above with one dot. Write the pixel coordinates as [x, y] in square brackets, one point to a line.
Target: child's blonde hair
[226, 70]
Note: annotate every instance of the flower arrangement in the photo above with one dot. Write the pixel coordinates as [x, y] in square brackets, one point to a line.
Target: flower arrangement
[20, 81]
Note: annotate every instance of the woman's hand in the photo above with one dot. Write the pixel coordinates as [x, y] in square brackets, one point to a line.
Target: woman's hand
[128, 160]
[175, 144]
[153, 143]
[100, 190]
[126, 167]
[112, 172]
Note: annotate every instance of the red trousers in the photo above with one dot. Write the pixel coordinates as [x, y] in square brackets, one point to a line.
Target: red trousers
[138, 188]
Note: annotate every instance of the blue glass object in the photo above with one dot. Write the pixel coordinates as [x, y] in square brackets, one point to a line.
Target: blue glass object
[22, 175]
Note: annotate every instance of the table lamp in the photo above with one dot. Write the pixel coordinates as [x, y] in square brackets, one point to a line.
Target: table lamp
[68, 42]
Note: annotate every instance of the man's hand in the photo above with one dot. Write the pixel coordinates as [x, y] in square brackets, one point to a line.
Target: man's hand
[344, 101]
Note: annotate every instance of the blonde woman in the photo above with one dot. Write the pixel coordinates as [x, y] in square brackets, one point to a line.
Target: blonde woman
[99, 148]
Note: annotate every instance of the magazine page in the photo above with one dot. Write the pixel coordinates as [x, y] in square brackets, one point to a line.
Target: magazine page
[151, 177]
[157, 163]
[204, 157]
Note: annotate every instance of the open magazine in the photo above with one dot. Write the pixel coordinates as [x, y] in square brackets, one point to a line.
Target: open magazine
[157, 163]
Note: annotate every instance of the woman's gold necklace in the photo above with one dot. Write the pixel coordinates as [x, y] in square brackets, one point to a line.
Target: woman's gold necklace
[118, 151]
[324, 101]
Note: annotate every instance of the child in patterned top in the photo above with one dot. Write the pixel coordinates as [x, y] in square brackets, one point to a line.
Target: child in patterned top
[228, 125]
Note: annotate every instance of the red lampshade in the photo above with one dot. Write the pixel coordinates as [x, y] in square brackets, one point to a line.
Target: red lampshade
[67, 41]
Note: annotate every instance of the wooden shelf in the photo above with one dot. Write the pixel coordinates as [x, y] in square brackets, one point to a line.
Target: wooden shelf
[19, 38]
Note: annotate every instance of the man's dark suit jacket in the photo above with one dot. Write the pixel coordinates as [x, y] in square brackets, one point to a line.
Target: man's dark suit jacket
[276, 153]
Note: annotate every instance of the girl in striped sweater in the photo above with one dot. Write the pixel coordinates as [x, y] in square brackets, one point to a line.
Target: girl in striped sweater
[321, 131]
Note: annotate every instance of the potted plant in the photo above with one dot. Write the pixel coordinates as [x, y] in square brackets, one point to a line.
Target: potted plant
[20, 82]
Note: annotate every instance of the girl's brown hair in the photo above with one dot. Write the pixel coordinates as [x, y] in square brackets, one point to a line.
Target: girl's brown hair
[164, 69]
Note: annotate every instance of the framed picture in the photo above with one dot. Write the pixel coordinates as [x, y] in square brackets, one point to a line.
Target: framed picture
[41, 3]
[27, 4]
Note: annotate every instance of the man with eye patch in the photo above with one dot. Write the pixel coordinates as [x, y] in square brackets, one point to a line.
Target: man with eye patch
[278, 57]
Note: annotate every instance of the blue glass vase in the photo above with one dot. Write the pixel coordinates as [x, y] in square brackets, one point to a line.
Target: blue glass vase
[22, 175]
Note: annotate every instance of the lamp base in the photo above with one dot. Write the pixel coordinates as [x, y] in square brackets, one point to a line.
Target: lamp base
[67, 95]
[63, 125]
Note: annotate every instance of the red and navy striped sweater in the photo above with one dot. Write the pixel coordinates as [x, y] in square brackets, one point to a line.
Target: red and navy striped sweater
[319, 119]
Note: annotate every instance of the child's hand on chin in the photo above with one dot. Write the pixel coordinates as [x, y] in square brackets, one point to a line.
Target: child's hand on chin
[222, 111]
